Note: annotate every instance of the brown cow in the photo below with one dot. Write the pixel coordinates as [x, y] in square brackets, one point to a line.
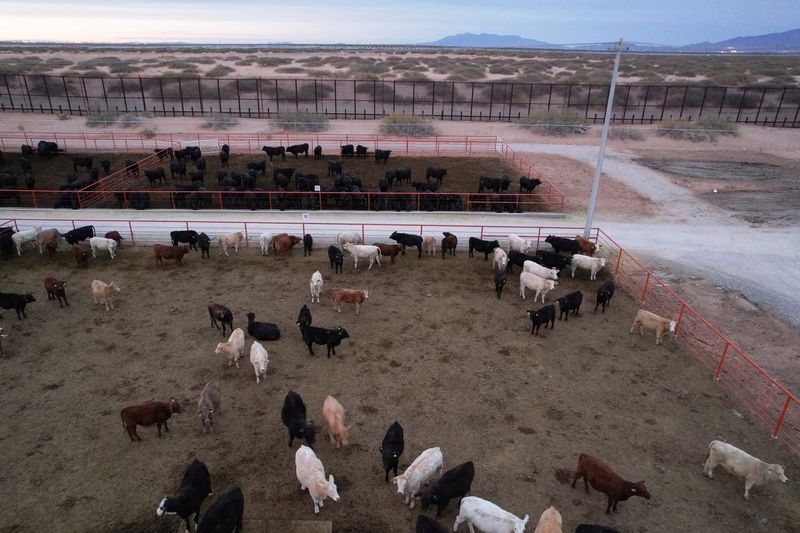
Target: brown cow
[114, 235]
[390, 249]
[48, 235]
[587, 247]
[600, 476]
[355, 297]
[81, 254]
[55, 289]
[162, 251]
[51, 247]
[147, 414]
[283, 242]
[449, 243]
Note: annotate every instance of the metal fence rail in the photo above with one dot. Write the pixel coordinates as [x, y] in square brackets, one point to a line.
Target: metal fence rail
[493, 101]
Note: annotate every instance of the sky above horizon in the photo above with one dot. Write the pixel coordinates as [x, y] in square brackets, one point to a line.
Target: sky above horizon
[676, 22]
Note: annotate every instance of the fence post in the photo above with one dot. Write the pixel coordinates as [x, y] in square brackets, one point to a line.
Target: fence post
[130, 228]
[538, 238]
[246, 236]
[680, 317]
[362, 233]
[619, 258]
[721, 361]
[780, 418]
[33, 197]
[646, 283]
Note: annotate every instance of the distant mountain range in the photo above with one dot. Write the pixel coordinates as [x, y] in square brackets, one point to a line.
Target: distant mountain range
[787, 41]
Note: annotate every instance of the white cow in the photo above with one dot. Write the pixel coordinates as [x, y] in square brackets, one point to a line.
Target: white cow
[421, 470]
[535, 283]
[230, 239]
[28, 235]
[499, 258]
[518, 243]
[259, 358]
[101, 243]
[541, 271]
[352, 237]
[364, 250]
[316, 284]
[265, 240]
[487, 517]
[592, 264]
[311, 475]
[742, 464]
[234, 348]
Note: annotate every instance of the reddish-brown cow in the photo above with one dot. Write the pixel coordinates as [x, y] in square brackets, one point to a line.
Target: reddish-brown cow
[587, 247]
[114, 235]
[81, 254]
[55, 289]
[449, 243]
[147, 414]
[600, 476]
[162, 252]
[355, 297]
[283, 242]
[390, 249]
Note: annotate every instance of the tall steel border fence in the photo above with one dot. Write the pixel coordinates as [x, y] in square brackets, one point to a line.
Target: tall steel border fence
[336, 98]
[771, 404]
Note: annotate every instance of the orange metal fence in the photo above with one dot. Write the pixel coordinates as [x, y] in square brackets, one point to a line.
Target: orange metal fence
[112, 191]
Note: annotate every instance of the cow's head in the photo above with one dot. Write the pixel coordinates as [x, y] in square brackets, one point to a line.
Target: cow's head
[331, 490]
[29, 298]
[174, 405]
[167, 506]
[672, 325]
[638, 489]
[401, 481]
[206, 416]
[342, 333]
[776, 472]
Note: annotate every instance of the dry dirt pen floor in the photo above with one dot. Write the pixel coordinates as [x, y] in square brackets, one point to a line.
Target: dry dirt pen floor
[462, 172]
[433, 348]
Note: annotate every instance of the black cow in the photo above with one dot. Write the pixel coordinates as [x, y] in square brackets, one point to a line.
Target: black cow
[6, 242]
[361, 150]
[26, 149]
[30, 183]
[604, 295]
[305, 182]
[542, 316]
[154, 174]
[79, 234]
[304, 317]
[263, 331]
[105, 164]
[177, 166]
[570, 302]
[81, 161]
[131, 167]
[392, 448]
[493, 184]
[197, 176]
[224, 157]
[348, 149]
[296, 149]
[164, 154]
[188, 236]
[25, 165]
[527, 185]
[455, 483]
[272, 151]
[293, 416]
[399, 175]
[225, 514]
[258, 165]
[334, 167]
[500, 279]
[382, 155]
[195, 486]
[407, 239]
[426, 524]
[205, 245]
[46, 148]
[559, 243]
[481, 245]
[194, 152]
[308, 242]
[336, 258]
[329, 337]
[438, 173]
[317, 152]
[200, 164]
[16, 302]
[518, 258]
[551, 260]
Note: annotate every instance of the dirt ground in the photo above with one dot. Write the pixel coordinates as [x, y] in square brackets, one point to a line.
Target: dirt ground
[458, 368]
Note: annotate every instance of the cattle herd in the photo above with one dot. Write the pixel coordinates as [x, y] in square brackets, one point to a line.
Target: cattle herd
[185, 172]
[540, 275]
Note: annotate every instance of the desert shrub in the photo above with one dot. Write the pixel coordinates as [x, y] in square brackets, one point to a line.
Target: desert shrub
[64, 116]
[313, 61]
[178, 65]
[246, 62]
[466, 72]
[290, 70]
[129, 120]
[717, 124]
[220, 71]
[148, 133]
[301, 122]
[320, 73]
[101, 119]
[705, 129]
[399, 124]
[219, 122]
[273, 61]
[555, 122]
[124, 68]
[201, 60]
[625, 133]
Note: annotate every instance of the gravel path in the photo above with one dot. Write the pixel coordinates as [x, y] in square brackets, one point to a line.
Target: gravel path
[760, 262]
